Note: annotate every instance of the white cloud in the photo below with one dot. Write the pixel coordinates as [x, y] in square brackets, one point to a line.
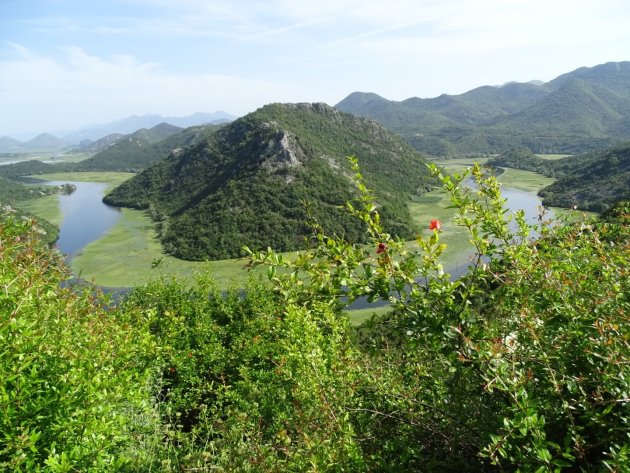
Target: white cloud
[45, 94]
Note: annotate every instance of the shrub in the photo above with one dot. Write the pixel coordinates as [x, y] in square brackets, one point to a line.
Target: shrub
[73, 394]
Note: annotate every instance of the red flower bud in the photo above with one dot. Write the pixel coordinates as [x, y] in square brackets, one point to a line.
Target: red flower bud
[382, 248]
[435, 225]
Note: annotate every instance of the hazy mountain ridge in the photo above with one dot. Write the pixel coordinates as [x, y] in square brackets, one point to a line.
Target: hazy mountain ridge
[92, 147]
[247, 184]
[134, 123]
[578, 111]
[42, 142]
[83, 138]
[127, 153]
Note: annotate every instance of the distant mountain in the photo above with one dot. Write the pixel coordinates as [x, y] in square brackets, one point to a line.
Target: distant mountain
[256, 181]
[132, 152]
[134, 123]
[42, 142]
[138, 150]
[586, 109]
[10, 145]
[45, 141]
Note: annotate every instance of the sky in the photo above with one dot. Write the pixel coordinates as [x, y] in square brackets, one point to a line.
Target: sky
[68, 63]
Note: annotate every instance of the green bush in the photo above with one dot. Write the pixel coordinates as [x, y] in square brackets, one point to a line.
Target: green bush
[523, 362]
[73, 392]
[249, 383]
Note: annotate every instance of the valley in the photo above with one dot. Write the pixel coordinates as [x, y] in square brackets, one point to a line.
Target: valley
[127, 255]
[303, 289]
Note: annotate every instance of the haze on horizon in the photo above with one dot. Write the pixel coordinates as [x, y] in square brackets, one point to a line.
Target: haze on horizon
[68, 63]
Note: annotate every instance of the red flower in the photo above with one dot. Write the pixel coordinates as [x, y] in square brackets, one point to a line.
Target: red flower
[435, 225]
[382, 248]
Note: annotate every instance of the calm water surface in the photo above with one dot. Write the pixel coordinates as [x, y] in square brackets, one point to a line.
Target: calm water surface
[85, 217]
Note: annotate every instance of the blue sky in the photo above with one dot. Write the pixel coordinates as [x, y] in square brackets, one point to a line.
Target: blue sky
[68, 63]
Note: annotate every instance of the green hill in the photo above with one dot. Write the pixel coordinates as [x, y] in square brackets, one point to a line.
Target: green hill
[255, 181]
[132, 152]
[27, 168]
[579, 111]
[523, 158]
[591, 181]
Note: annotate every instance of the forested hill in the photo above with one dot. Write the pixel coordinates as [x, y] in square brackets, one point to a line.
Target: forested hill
[583, 110]
[130, 153]
[591, 181]
[140, 149]
[255, 181]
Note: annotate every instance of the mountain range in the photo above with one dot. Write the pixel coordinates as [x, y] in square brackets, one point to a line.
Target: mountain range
[97, 137]
[257, 180]
[136, 122]
[582, 110]
[137, 151]
[42, 142]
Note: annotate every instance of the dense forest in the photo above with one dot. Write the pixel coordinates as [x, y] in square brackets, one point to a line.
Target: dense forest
[258, 180]
[521, 365]
[137, 151]
[592, 181]
[583, 110]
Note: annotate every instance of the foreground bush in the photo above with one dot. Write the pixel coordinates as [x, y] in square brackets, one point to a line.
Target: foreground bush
[73, 392]
[523, 363]
[249, 383]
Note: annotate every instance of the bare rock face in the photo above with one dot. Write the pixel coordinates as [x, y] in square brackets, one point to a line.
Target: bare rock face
[282, 151]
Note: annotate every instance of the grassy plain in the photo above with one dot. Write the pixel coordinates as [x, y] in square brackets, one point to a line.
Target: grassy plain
[360, 316]
[131, 254]
[524, 180]
[113, 179]
[45, 207]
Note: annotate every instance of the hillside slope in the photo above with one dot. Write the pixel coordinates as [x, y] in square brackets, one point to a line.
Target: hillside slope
[130, 153]
[591, 181]
[256, 181]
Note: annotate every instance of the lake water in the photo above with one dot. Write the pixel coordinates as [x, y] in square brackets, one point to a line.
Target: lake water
[85, 217]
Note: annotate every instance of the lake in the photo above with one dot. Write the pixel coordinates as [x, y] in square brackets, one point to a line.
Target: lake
[85, 217]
